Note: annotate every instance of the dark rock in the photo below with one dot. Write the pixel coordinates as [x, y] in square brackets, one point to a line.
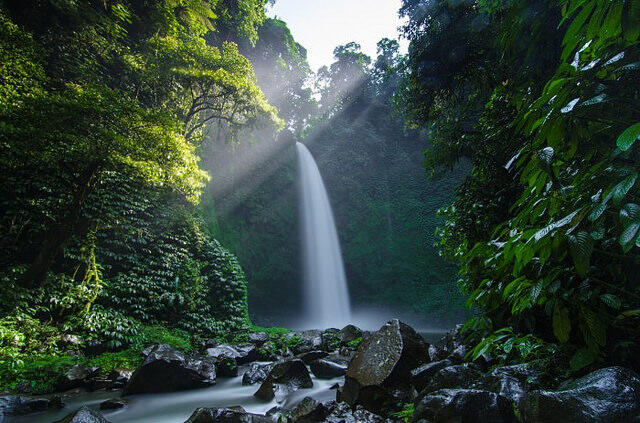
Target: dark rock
[464, 406]
[93, 347]
[226, 367]
[459, 353]
[307, 411]
[96, 384]
[325, 369]
[340, 412]
[209, 343]
[258, 338]
[113, 404]
[421, 376]
[241, 353]
[447, 345]
[309, 340]
[438, 351]
[16, 405]
[226, 415]
[512, 382]
[257, 373]
[165, 370]
[379, 374]
[84, 415]
[330, 340]
[274, 411]
[119, 377]
[348, 334]
[78, 375]
[285, 377]
[606, 395]
[343, 357]
[462, 376]
[310, 356]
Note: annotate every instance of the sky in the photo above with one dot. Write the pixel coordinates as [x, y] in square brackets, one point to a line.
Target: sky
[321, 25]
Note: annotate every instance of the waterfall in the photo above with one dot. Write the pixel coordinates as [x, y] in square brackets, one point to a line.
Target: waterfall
[327, 296]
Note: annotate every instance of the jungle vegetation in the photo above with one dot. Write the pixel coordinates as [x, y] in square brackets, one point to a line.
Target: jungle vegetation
[147, 157]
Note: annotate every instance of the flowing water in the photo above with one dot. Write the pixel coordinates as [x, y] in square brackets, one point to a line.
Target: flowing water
[327, 296]
[176, 407]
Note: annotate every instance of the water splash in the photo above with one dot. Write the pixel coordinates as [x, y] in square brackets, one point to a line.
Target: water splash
[327, 296]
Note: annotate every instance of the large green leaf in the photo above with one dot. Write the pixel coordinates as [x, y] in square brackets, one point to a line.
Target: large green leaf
[561, 323]
[628, 137]
[621, 190]
[580, 248]
[582, 358]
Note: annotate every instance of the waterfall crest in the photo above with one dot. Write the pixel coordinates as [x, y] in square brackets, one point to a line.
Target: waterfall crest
[327, 296]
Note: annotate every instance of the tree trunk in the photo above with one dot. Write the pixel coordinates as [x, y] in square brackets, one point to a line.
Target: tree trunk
[60, 233]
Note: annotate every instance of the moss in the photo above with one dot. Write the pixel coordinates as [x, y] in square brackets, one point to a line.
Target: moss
[355, 343]
[128, 359]
[177, 338]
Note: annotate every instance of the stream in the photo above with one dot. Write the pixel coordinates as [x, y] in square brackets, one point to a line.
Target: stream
[176, 407]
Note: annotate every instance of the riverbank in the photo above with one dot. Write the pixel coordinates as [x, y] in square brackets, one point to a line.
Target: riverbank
[334, 375]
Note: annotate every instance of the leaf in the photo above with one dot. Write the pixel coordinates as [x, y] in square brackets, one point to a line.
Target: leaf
[628, 137]
[611, 301]
[628, 236]
[621, 190]
[555, 225]
[580, 248]
[630, 213]
[597, 211]
[561, 323]
[582, 358]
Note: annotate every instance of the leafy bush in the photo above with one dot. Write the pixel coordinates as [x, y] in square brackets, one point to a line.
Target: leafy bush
[127, 359]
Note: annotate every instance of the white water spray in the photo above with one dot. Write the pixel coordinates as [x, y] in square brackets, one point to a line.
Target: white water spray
[327, 296]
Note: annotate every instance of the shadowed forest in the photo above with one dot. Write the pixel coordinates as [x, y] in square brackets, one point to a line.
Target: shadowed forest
[483, 186]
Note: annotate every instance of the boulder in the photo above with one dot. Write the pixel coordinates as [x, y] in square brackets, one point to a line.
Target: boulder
[444, 347]
[309, 340]
[379, 374]
[258, 338]
[16, 405]
[512, 382]
[166, 370]
[348, 334]
[421, 376]
[461, 376]
[330, 340]
[119, 377]
[307, 411]
[285, 377]
[241, 353]
[78, 376]
[310, 356]
[325, 369]
[340, 412]
[226, 415]
[93, 347]
[113, 404]
[84, 415]
[257, 373]
[341, 357]
[464, 406]
[606, 395]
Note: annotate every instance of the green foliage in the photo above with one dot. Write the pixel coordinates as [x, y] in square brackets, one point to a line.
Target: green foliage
[41, 373]
[545, 228]
[507, 346]
[355, 343]
[406, 414]
[129, 359]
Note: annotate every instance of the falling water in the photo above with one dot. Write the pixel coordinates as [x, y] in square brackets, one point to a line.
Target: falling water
[327, 297]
